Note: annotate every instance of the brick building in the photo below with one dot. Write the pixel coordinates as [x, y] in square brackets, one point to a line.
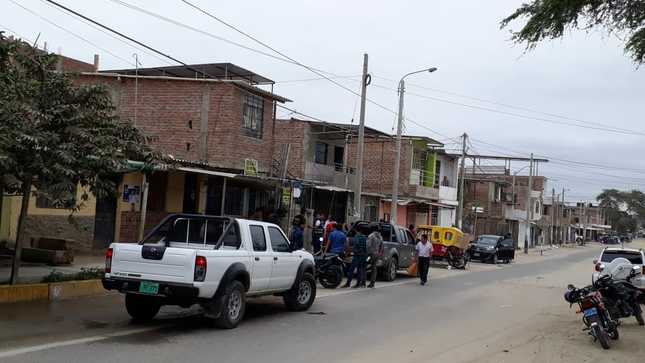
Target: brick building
[495, 203]
[427, 180]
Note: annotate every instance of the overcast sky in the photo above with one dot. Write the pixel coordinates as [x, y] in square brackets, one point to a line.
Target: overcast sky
[583, 76]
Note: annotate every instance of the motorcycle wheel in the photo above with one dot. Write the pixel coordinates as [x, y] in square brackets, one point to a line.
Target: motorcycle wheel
[600, 334]
[613, 334]
[639, 319]
[332, 278]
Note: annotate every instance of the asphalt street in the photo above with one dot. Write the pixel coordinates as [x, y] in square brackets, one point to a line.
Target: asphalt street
[399, 322]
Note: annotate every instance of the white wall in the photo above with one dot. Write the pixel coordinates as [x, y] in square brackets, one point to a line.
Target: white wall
[447, 217]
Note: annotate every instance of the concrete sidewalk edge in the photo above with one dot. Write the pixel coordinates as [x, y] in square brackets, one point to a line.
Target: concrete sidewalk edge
[51, 291]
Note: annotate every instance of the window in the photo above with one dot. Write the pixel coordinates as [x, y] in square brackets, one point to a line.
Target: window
[253, 113]
[634, 257]
[278, 242]
[434, 216]
[232, 237]
[320, 156]
[448, 236]
[411, 239]
[258, 238]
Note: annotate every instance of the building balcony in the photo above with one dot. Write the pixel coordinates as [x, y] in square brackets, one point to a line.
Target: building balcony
[336, 175]
[447, 193]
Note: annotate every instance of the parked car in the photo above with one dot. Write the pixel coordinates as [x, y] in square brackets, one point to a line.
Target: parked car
[612, 240]
[492, 248]
[625, 238]
[398, 244]
[215, 262]
[608, 254]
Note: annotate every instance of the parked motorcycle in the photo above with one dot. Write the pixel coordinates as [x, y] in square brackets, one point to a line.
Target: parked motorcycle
[621, 297]
[596, 317]
[330, 269]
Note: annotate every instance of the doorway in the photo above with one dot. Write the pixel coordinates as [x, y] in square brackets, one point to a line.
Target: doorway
[190, 193]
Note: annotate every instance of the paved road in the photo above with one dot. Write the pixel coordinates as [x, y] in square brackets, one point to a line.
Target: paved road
[397, 323]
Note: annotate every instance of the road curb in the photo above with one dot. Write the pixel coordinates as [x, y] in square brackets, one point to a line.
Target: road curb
[51, 292]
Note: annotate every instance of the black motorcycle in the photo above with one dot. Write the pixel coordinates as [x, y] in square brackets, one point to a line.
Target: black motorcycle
[596, 317]
[330, 269]
[621, 298]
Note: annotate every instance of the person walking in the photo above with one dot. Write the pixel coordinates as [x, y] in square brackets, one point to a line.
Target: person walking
[374, 251]
[359, 257]
[424, 253]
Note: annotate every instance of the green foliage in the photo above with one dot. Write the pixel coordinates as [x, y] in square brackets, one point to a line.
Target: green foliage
[624, 210]
[90, 273]
[57, 135]
[549, 19]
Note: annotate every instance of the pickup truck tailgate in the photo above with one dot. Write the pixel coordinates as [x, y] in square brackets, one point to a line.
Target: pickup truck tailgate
[166, 264]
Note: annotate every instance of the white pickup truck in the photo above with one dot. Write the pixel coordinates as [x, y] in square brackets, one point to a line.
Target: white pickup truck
[212, 261]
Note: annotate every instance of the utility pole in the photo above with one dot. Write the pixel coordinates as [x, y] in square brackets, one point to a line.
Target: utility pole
[553, 209]
[462, 184]
[584, 223]
[564, 231]
[528, 208]
[397, 157]
[358, 190]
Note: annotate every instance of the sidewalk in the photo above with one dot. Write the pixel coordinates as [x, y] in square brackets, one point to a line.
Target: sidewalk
[33, 273]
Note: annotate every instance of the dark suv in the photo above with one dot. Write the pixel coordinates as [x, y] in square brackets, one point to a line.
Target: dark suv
[488, 247]
[398, 244]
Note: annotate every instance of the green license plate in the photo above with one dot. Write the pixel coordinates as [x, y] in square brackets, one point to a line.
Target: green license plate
[151, 288]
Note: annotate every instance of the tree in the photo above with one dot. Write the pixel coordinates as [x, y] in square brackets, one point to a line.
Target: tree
[55, 136]
[549, 19]
[623, 210]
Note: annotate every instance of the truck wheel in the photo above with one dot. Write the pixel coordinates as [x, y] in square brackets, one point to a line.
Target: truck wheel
[302, 295]
[390, 269]
[233, 306]
[141, 307]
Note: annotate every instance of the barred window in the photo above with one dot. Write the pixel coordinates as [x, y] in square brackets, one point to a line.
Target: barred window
[253, 112]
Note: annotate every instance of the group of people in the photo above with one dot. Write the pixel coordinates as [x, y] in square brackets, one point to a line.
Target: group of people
[368, 250]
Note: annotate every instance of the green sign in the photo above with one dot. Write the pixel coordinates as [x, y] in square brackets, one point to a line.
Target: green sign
[250, 167]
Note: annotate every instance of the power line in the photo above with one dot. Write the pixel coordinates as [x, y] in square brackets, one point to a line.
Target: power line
[521, 108]
[125, 36]
[70, 32]
[163, 60]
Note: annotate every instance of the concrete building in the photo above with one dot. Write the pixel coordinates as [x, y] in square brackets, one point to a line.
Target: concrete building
[495, 203]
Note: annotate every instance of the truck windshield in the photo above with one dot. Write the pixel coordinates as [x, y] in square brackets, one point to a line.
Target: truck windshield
[633, 257]
[192, 232]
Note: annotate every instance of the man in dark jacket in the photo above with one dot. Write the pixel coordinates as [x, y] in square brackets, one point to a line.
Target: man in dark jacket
[359, 252]
[374, 251]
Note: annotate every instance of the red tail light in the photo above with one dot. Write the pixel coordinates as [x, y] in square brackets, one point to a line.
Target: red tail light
[200, 268]
[108, 260]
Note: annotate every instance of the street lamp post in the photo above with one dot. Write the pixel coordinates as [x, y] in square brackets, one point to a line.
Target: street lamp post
[397, 157]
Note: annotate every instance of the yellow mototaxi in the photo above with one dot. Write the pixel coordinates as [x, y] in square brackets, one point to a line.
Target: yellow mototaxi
[448, 243]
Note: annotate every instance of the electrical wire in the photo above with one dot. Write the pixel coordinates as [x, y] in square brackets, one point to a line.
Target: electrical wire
[72, 33]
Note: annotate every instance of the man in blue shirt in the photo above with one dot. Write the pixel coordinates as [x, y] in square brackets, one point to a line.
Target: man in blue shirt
[297, 236]
[337, 240]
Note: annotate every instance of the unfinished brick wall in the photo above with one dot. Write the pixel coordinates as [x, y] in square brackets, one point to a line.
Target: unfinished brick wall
[292, 132]
[171, 111]
[378, 165]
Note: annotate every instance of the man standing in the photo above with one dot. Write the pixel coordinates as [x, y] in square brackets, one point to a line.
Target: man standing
[424, 252]
[337, 241]
[359, 257]
[298, 237]
[374, 251]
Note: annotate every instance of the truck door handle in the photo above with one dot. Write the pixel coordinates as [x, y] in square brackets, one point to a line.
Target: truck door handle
[275, 258]
[257, 258]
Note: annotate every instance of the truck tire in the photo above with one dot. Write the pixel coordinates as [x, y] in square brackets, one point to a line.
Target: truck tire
[390, 269]
[141, 307]
[302, 295]
[233, 306]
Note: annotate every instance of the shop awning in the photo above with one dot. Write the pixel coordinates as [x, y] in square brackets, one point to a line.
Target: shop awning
[420, 201]
[206, 172]
[331, 188]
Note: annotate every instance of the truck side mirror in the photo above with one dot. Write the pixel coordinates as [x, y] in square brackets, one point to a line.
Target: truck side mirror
[595, 261]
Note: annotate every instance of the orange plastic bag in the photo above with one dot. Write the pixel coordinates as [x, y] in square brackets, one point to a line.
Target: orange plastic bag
[413, 270]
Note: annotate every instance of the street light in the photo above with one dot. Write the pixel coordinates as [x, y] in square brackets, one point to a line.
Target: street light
[397, 158]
